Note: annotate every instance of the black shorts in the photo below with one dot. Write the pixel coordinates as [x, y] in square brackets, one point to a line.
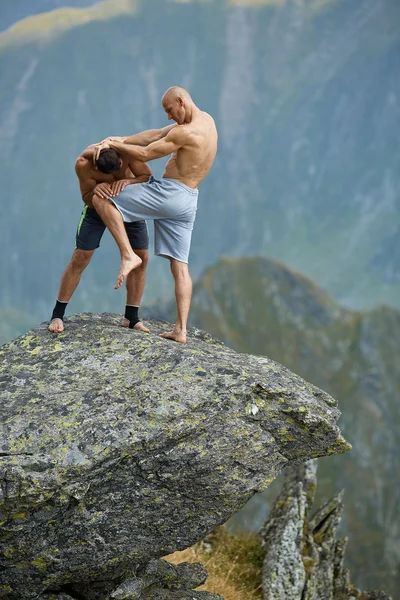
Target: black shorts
[91, 229]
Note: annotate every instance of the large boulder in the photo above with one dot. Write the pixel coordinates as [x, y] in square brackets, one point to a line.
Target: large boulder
[117, 447]
[157, 580]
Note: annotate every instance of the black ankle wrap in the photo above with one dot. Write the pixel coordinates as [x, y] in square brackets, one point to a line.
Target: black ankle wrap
[131, 314]
[59, 310]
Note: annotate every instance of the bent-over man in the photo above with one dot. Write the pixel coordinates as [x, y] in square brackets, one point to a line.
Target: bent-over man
[171, 201]
[110, 173]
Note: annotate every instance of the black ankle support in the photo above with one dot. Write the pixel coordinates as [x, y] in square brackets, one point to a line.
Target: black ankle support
[131, 313]
[59, 310]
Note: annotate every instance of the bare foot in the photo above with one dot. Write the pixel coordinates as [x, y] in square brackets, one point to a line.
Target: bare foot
[56, 326]
[176, 334]
[127, 265]
[139, 326]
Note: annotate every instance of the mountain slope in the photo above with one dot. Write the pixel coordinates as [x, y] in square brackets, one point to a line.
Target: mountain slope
[14, 323]
[306, 98]
[11, 12]
[260, 306]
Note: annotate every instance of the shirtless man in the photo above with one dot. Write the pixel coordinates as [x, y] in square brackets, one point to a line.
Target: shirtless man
[171, 202]
[110, 175]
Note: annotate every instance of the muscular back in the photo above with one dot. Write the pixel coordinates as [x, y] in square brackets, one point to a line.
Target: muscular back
[191, 162]
[89, 176]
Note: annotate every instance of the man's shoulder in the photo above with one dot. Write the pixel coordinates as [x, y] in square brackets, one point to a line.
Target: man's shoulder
[185, 135]
[179, 132]
[82, 166]
[81, 162]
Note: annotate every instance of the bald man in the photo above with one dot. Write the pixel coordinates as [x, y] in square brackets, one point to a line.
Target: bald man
[171, 201]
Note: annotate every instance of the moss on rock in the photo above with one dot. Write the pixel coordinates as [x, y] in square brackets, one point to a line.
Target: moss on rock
[117, 447]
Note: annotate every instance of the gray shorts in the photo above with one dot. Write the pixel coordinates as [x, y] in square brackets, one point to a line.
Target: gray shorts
[171, 204]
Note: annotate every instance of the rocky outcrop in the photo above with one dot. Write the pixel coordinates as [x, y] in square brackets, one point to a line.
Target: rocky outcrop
[60, 596]
[162, 581]
[158, 580]
[303, 559]
[353, 356]
[118, 447]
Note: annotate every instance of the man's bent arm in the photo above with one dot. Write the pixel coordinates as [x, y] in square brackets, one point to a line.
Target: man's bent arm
[145, 138]
[133, 179]
[139, 169]
[86, 183]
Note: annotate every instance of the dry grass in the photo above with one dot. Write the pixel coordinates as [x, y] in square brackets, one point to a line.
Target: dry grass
[233, 563]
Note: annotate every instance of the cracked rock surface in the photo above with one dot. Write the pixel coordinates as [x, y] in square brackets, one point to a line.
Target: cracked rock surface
[304, 560]
[117, 447]
[160, 580]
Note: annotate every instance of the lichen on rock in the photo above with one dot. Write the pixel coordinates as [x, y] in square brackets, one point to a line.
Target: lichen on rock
[118, 447]
[304, 560]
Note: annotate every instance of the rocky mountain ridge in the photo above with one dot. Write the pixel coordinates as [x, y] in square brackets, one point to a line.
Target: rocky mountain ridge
[305, 96]
[261, 306]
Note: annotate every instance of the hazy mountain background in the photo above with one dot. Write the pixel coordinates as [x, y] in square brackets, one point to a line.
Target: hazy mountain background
[260, 306]
[306, 96]
[12, 11]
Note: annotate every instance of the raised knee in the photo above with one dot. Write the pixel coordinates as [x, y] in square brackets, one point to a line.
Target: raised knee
[97, 200]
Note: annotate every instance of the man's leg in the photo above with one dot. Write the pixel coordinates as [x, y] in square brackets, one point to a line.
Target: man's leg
[113, 220]
[134, 290]
[69, 282]
[183, 295]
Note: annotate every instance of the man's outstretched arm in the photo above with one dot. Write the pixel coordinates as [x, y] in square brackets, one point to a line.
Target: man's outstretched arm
[145, 138]
[174, 140]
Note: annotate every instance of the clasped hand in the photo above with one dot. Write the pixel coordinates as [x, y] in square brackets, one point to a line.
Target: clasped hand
[110, 190]
[104, 145]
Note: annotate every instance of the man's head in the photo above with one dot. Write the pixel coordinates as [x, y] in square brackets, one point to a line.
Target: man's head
[109, 161]
[178, 104]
